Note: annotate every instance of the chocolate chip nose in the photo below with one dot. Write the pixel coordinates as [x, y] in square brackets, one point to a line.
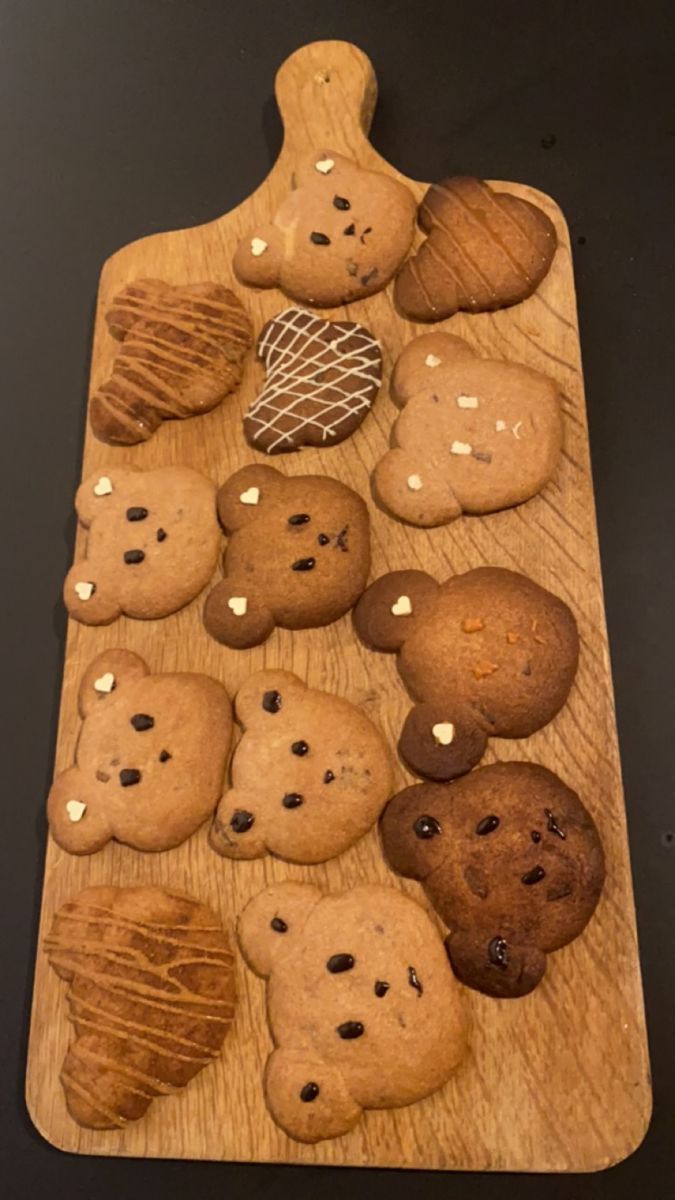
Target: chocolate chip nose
[241, 820]
[129, 776]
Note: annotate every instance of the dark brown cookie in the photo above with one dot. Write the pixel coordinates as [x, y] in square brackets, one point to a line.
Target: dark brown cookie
[322, 377]
[484, 250]
[298, 554]
[151, 997]
[486, 653]
[511, 860]
[182, 352]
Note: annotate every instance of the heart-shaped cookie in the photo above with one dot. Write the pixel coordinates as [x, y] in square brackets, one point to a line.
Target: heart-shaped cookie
[484, 250]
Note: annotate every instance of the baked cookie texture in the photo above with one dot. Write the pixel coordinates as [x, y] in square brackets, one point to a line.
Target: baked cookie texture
[486, 653]
[309, 777]
[340, 235]
[151, 997]
[484, 250]
[475, 435]
[511, 860]
[152, 543]
[182, 351]
[322, 378]
[298, 554]
[150, 758]
[361, 1004]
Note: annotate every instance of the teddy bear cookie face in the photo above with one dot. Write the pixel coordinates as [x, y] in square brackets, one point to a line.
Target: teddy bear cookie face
[309, 776]
[322, 377]
[474, 436]
[486, 653]
[130, 1046]
[484, 250]
[150, 758]
[356, 981]
[182, 351]
[152, 543]
[512, 861]
[340, 235]
[298, 554]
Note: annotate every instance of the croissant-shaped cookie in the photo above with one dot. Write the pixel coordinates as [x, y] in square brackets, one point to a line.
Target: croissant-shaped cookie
[484, 250]
[151, 997]
[182, 352]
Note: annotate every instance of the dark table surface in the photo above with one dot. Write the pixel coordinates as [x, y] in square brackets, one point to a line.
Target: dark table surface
[124, 117]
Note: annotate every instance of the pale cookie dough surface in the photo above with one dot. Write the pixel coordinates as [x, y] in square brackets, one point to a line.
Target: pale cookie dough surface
[309, 777]
[341, 234]
[475, 435]
[361, 1001]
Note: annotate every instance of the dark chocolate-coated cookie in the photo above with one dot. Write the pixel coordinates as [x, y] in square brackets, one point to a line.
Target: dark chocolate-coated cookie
[511, 860]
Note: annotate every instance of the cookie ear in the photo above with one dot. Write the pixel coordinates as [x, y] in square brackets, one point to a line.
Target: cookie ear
[272, 920]
[88, 597]
[95, 492]
[412, 831]
[417, 366]
[390, 608]
[308, 1097]
[321, 164]
[259, 257]
[234, 617]
[266, 695]
[107, 673]
[130, 305]
[76, 815]
[441, 742]
[245, 494]
[495, 964]
[432, 503]
[238, 827]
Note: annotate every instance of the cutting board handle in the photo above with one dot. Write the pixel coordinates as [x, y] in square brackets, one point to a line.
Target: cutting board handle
[326, 93]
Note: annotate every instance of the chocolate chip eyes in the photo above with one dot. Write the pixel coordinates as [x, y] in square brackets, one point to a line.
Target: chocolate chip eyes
[304, 564]
[136, 514]
[292, 800]
[309, 1092]
[271, 701]
[328, 777]
[278, 925]
[381, 988]
[498, 952]
[487, 825]
[300, 748]
[341, 203]
[141, 722]
[241, 820]
[129, 776]
[427, 827]
[534, 876]
[319, 239]
[351, 1029]
[133, 556]
[323, 539]
[299, 519]
[337, 963]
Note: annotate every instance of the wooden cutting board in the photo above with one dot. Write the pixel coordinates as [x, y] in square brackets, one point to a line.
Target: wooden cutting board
[558, 1081]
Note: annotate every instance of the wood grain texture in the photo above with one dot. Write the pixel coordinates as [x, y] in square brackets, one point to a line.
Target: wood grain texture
[558, 1081]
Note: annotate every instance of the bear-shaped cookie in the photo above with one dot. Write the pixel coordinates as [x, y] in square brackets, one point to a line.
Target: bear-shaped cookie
[309, 776]
[484, 249]
[511, 860]
[182, 351]
[298, 554]
[475, 435]
[150, 758]
[361, 1001]
[152, 543]
[340, 234]
[487, 653]
[151, 997]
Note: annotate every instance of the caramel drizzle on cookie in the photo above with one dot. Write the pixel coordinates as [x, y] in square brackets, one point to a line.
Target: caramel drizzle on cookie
[137, 988]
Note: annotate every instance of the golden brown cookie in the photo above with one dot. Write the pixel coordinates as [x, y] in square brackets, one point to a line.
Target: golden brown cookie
[182, 351]
[151, 997]
[361, 1004]
[484, 250]
[475, 435]
[340, 234]
[309, 776]
[152, 543]
[512, 861]
[487, 653]
[298, 554]
[150, 758]
[322, 378]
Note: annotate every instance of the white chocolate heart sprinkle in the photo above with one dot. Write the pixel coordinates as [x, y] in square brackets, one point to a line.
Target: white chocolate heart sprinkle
[324, 165]
[84, 591]
[414, 483]
[467, 401]
[500, 426]
[76, 809]
[103, 486]
[432, 360]
[444, 733]
[460, 448]
[258, 247]
[250, 496]
[402, 607]
[105, 683]
[238, 605]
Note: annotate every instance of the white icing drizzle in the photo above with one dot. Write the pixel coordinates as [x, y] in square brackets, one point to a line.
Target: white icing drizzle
[292, 384]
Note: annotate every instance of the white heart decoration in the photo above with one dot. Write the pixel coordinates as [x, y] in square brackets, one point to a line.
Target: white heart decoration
[103, 487]
[402, 607]
[250, 496]
[444, 733]
[105, 683]
[238, 605]
[258, 246]
[324, 165]
[84, 591]
[76, 809]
